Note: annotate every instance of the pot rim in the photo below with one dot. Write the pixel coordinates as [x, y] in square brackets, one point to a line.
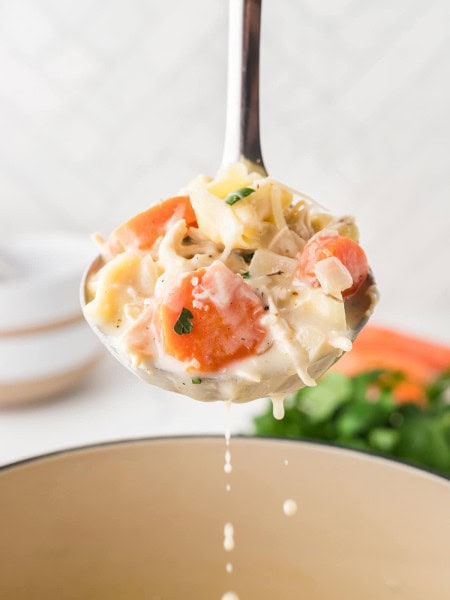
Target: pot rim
[400, 464]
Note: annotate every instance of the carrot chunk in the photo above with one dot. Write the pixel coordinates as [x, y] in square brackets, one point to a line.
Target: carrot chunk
[420, 360]
[210, 318]
[141, 231]
[349, 252]
[377, 346]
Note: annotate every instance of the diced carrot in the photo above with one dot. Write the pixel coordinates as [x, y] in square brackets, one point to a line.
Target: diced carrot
[141, 231]
[224, 323]
[349, 252]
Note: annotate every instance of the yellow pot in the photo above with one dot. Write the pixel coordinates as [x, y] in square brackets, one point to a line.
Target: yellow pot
[145, 520]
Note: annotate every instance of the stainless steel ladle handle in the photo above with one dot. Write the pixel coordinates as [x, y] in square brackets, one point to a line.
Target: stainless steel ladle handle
[242, 138]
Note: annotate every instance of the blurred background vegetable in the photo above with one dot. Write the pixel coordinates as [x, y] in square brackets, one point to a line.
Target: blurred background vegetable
[391, 395]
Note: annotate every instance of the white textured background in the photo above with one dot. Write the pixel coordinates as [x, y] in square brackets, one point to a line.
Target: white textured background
[108, 105]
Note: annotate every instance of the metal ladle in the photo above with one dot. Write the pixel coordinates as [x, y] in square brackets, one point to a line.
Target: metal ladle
[242, 143]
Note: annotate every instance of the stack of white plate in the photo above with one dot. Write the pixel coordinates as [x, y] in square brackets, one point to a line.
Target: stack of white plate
[45, 345]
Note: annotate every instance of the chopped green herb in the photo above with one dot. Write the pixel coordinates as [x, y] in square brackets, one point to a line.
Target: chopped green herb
[245, 275]
[234, 197]
[184, 323]
[196, 380]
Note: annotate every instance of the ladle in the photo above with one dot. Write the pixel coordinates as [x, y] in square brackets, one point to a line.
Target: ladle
[242, 143]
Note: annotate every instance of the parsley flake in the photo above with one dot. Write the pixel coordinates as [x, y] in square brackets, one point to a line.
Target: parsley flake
[196, 380]
[184, 323]
[234, 197]
[245, 275]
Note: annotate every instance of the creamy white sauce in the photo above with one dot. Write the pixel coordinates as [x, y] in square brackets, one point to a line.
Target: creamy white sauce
[278, 406]
[228, 537]
[289, 507]
[228, 467]
[285, 336]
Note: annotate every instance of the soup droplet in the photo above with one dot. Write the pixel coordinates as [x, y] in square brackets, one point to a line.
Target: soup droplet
[278, 406]
[290, 507]
[228, 537]
[230, 596]
[229, 568]
[227, 467]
